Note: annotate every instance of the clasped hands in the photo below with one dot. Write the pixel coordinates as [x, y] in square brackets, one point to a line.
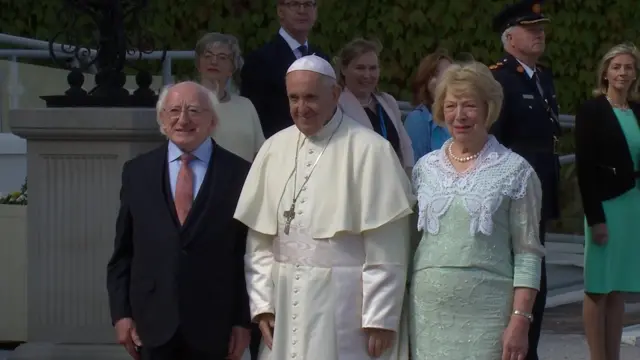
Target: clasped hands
[127, 335]
[379, 340]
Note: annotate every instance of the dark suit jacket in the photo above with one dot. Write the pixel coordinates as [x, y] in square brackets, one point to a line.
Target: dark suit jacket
[525, 125]
[603, 161]
[263, 82]
[166, 276]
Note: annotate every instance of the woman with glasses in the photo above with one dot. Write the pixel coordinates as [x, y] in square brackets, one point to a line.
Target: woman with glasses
[218, 59]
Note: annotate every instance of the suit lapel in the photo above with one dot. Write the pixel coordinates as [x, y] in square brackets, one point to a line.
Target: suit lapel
[522, 73]
[388, 110]
[211, 194]
[635, 107]
[194, 212]
[314, 50]
[160, 184]
[352, 108]
[616, 134]
[284, 52]
[530, 82]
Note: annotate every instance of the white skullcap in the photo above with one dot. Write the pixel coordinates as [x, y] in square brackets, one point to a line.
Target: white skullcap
[313, 63]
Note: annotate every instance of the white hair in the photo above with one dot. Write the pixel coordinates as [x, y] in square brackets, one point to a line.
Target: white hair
[328, 81]
[210, 95]
[504, 37]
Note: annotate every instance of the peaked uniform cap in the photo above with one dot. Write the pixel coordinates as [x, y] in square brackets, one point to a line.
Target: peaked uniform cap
[524, 12]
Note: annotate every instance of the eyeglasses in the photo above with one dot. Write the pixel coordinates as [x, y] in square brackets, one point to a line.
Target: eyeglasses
[295, 5]
[192, 112]
[219, 56]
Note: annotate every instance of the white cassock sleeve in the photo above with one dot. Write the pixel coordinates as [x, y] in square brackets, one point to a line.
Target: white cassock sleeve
[258, 262]
[384, 274]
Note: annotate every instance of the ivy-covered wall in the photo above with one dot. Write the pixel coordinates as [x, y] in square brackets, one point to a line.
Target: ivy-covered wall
[580, 32]
[409, 29]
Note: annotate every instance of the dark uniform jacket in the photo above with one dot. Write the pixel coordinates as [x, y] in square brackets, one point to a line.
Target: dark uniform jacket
[528, 124]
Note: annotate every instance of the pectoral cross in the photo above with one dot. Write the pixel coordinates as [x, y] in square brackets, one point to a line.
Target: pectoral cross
[289, 215]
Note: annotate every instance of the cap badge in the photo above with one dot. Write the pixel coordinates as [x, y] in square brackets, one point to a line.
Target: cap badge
[536, 8]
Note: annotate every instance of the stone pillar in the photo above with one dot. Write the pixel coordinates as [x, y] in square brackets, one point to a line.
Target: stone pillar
[74, 163]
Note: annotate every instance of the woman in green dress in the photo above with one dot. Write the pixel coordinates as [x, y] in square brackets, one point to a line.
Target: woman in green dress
[476, 270]
[607, 135]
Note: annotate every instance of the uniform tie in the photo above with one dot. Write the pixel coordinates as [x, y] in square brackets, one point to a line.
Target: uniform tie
[538, 85]
[184, 188]
[552, 116]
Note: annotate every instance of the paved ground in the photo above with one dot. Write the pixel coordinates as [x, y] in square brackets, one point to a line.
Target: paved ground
[574, 347]
[561, 277]
[567, 319]
[563, 335]
[552, 347]
[4, 354]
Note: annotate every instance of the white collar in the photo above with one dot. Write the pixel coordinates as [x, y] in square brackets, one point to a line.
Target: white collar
[527, 69]
[293, 43]
[329, 128]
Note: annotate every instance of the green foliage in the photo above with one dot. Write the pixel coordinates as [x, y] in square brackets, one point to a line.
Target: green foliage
[580, 33]
[16, 198]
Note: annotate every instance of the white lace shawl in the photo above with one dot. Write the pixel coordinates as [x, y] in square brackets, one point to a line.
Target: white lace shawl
[497, 173]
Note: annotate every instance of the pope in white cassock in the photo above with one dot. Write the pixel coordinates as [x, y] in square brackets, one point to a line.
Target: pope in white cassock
[327, 204]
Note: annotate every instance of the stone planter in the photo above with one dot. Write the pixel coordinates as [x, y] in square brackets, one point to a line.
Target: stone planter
[13, 273]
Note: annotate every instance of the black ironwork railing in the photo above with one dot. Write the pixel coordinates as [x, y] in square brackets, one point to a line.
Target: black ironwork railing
[120, 33]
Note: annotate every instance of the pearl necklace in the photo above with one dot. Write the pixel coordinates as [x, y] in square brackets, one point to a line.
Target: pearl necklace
[461, 159]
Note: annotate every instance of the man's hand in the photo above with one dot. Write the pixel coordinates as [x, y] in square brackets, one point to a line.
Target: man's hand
[266, 323]
[128, 336]
[238, 342]
[380, 340]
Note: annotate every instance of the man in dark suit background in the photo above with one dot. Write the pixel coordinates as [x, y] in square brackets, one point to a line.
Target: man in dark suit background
[176, 277]
[528, 122]
[264, 70]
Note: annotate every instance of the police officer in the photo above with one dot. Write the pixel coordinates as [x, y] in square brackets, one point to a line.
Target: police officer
[528, 123]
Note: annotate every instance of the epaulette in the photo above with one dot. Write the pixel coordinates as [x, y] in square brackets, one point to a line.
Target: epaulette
[496, 66]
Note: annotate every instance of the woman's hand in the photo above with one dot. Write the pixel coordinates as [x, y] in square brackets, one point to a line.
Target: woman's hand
[599, 234]
[515, 339]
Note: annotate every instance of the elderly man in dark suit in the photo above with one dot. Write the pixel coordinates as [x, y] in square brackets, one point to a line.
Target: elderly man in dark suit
[176, 278]
[264, 69]
[528, 122]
